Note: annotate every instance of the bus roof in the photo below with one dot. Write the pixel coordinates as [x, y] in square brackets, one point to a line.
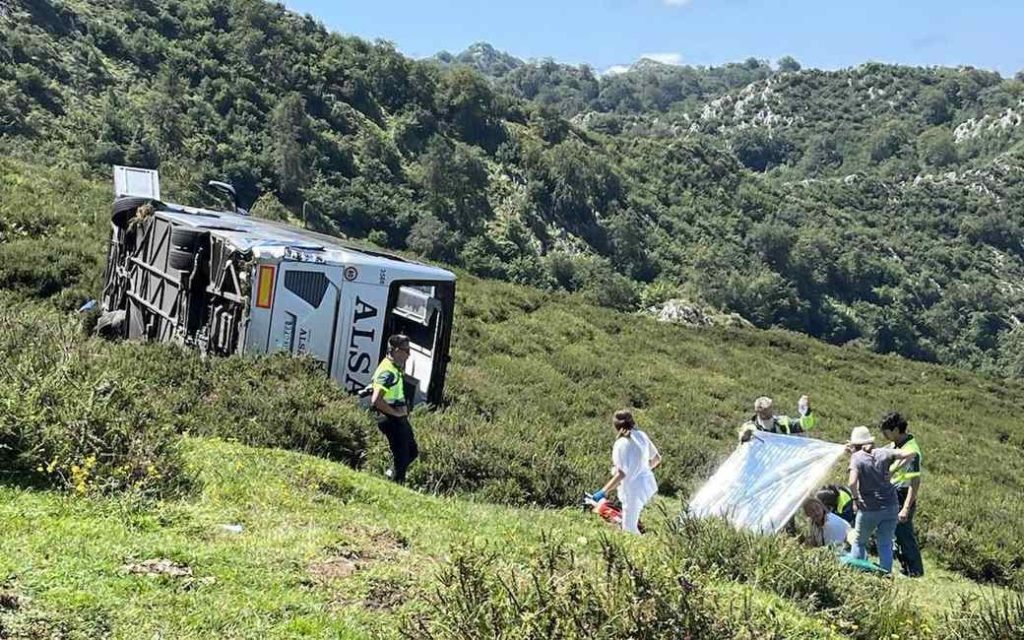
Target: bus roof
[270, 239]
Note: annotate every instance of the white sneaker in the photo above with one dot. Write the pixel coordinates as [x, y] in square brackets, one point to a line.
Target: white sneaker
[389, 473]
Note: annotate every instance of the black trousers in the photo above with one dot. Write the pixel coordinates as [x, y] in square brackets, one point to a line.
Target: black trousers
[402, 441]
[907, 551]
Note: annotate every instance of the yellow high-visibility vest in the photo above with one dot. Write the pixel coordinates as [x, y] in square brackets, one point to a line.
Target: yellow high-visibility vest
[391, 380]
[903, 472]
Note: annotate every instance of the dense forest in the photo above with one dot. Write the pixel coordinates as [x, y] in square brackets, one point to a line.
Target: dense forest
[878, 205]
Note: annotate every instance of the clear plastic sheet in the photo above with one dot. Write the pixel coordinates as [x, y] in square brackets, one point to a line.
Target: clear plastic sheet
[765, 481]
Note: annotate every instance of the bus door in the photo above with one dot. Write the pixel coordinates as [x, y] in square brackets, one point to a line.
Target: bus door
[423, 311]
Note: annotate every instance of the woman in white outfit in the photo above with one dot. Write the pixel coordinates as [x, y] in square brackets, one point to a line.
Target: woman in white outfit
[633, 458]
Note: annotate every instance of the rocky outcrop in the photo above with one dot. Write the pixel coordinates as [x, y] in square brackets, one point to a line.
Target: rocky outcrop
[681, 311]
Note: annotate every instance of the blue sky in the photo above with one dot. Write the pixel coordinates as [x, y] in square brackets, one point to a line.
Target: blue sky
[819, 33]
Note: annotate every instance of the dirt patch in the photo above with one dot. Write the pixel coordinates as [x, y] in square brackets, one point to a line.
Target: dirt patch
[385, 595]
[331, 569]
[9, 601]
[386, 543]
[181, 573]
[158, 567]
[363, 548]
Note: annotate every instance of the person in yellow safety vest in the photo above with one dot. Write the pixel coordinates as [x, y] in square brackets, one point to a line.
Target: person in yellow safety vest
[838, 500]
[764, 419]
[906, 477]
[393, 411]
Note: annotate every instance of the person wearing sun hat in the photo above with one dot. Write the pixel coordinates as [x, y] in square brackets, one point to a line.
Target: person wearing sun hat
[874, 496]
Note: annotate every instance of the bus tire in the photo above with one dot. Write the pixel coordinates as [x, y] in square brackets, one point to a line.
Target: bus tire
[184, 245]
[124, 207]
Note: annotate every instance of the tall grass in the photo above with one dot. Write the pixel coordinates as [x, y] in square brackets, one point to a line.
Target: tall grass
[669, 589]
[995, 619]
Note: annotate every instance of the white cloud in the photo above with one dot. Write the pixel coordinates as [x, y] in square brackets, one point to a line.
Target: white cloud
[676, 3]
[616, 69]
[664, 58]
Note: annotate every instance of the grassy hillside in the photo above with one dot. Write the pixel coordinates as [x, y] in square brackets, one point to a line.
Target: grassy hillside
[534, 378]
[727, 186]
[325, 551]
[537, 376]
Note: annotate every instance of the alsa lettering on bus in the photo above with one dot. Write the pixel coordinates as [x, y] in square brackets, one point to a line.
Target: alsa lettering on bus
[360, 344]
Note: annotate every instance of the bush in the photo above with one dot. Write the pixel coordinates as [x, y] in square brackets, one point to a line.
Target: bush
[861, 606]
[996, 619]
[92, 416]
[667, 588]
[277, 401]
[560, 597]
[73, 415]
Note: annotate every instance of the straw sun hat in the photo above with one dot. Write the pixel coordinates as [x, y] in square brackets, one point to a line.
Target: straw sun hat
[861, 435]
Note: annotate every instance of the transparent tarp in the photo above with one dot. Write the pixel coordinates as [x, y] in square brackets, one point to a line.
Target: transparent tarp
[765, 481]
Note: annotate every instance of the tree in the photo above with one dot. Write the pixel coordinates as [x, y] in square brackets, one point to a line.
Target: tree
[288, 129]
[773, 241]
[887, 141]
[822, 155]
[455, 180]
[163, 110]
[606, 288]
[466, 101]
[760, 149]
[788, 64]
[628, 240]
[935, 107]
[937, 148]
[433, 239]
[763, 297]
[269, 207]
[578, 184]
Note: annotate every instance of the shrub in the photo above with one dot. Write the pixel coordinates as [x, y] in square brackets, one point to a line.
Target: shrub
[276, 401]
[860, 605]
[670, 587]
[558, 597]
[996, 619]
[75, 415]
[94, 416]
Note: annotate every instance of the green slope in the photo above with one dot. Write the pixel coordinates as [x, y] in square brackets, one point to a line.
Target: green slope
[324, 551]
[534, 378]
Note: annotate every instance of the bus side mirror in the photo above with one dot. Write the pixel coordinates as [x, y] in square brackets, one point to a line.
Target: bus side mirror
[229, 191]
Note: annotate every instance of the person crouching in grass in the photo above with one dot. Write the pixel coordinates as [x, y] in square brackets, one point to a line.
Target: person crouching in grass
[874, 496]
[827, 529]
[634, 457]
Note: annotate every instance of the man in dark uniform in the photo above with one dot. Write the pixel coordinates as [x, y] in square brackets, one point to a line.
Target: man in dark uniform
[907, 478]
[389, 400]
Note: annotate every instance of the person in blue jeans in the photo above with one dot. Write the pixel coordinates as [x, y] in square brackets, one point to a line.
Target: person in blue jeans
[874, 496]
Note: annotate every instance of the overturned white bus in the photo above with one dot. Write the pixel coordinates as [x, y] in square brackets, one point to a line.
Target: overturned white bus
[227, 283]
